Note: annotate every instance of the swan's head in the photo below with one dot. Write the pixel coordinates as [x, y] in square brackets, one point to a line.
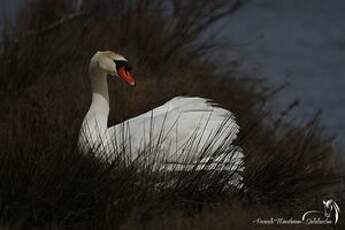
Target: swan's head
[114, 65]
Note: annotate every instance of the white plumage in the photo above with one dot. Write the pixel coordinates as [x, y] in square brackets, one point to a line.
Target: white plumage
[177, 135]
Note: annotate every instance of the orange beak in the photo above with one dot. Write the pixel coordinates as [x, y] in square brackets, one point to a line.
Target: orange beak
[126, 76]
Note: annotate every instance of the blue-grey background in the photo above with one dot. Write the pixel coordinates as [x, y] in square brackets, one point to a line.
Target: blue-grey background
[297, 41]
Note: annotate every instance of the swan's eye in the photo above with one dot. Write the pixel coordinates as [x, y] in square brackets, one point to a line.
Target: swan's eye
[125, 64]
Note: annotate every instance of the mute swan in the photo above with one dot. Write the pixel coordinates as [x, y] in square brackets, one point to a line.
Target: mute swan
[184, 129]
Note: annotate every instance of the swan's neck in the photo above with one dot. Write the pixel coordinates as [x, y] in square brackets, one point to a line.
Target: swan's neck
[93, 132]
[100, 97]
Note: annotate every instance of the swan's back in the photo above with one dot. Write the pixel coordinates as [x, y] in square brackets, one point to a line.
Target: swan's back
[181, 129]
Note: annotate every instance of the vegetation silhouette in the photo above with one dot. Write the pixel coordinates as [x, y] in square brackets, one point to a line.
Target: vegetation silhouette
[45, 182]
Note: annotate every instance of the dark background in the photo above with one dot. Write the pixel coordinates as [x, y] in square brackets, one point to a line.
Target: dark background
[290, 163]
[300, 42]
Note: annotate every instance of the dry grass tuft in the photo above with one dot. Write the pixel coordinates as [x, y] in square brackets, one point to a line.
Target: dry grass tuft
[46, 183]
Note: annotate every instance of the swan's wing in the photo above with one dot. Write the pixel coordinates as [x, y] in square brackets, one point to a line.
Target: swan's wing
[176, 126]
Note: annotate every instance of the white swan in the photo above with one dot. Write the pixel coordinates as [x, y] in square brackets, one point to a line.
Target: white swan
[184, 129]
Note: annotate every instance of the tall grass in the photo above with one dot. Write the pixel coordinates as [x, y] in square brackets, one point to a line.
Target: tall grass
[46, 183]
